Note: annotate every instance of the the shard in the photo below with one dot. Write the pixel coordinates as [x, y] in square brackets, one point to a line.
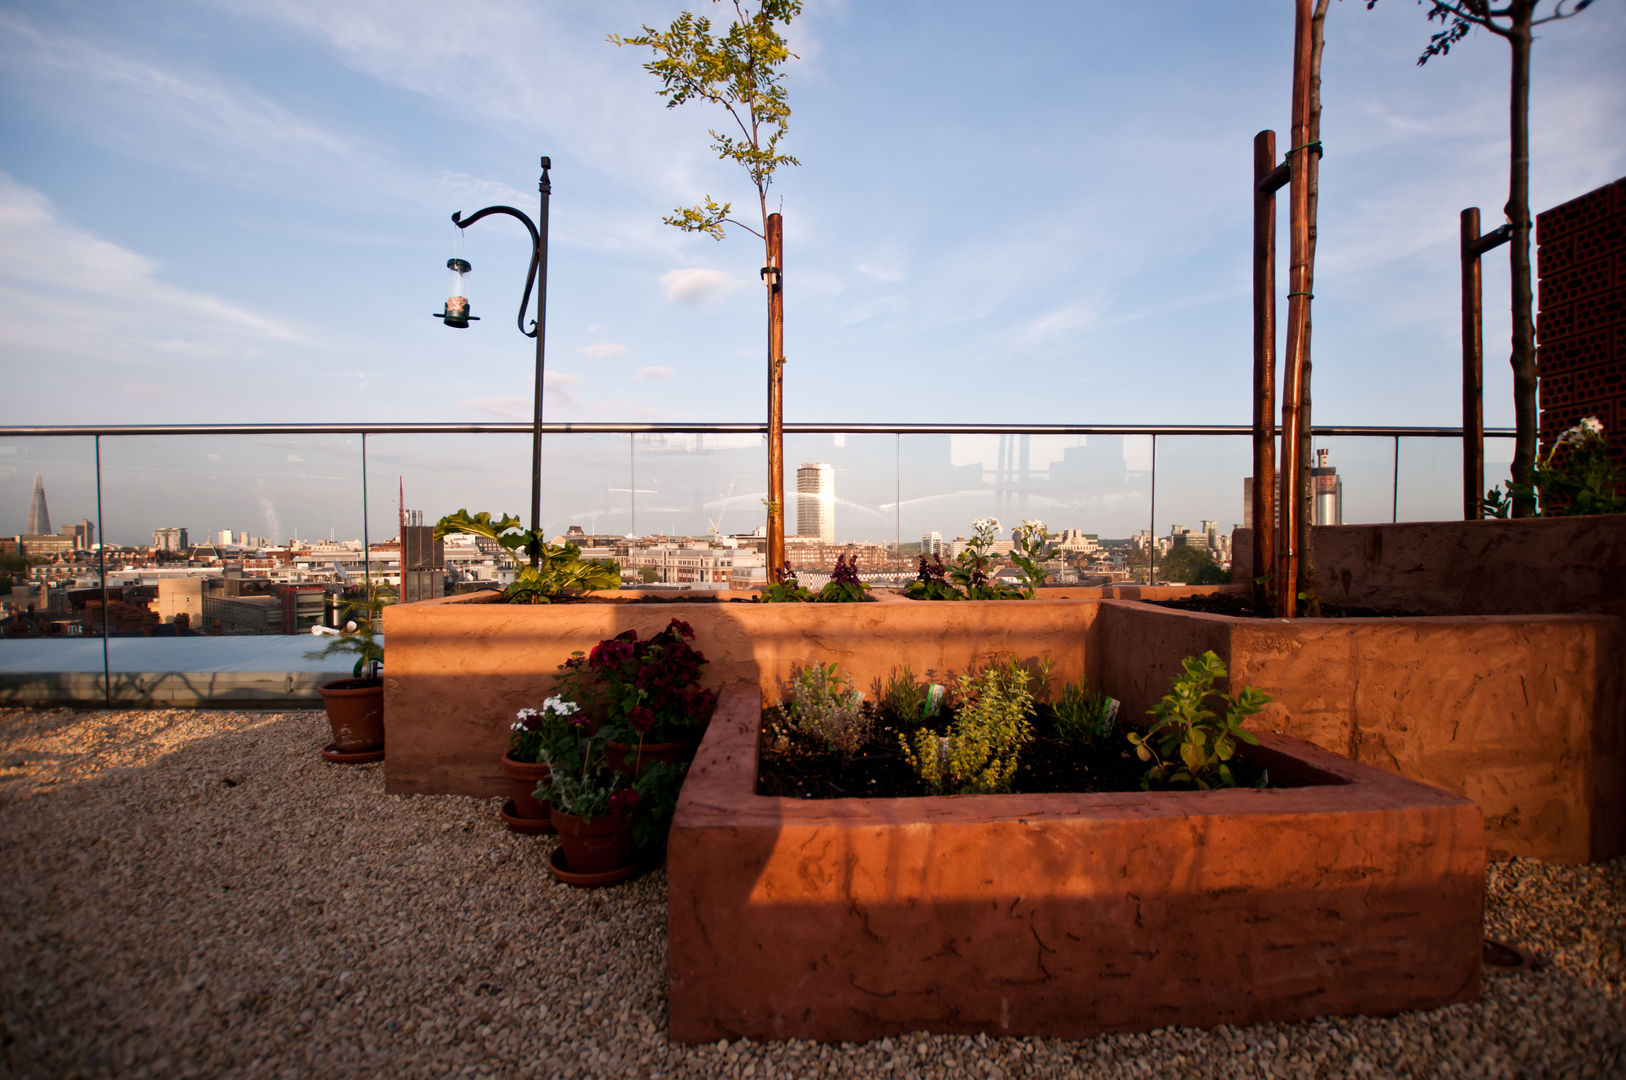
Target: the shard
[39, 518]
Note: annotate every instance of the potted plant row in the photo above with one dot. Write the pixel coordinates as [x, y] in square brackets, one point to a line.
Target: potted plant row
[605, 756]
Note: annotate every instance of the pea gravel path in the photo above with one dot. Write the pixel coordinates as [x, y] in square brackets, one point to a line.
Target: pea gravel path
[199, 894]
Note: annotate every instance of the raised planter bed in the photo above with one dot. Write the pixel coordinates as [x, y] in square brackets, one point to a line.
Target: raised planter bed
[459, 668]
[1063, 915]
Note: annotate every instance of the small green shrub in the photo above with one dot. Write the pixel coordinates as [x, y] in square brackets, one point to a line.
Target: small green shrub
[823, 704]
[1195, 743]
[902, 696]
[979, 751]
[1082, 714]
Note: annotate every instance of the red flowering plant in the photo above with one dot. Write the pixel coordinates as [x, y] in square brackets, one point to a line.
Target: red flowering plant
[637, 691]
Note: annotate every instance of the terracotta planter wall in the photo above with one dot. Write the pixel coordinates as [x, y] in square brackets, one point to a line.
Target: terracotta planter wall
[1062, 915]
[1532, 566]
[1522, 714]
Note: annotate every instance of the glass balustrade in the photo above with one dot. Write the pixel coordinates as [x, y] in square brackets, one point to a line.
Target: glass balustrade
[339, 490]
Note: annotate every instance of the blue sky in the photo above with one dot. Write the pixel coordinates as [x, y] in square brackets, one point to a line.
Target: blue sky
[1037, 212]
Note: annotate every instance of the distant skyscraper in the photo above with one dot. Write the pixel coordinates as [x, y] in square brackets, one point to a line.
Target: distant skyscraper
[39, 518]
[931, 543]
[816, 501]
[170, 539]
[1329, 492]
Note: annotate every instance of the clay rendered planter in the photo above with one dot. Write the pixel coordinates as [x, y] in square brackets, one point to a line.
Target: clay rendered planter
[355, 711]
[1063, 915]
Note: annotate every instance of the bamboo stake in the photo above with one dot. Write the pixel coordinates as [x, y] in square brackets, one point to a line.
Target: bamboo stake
[1264, 362]
[1287, 553]
[1310, 155]
[776, 393]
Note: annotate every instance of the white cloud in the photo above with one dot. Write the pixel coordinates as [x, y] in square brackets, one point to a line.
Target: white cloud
[699, 286]
[654, 371]
[883, 265]
[602, 350]
[98, 302]
[1054, 327]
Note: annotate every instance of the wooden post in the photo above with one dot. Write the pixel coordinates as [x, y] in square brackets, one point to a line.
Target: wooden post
[774, 274]
[1298, 315]
[1473, 372]
[1267, 178]
[1473, 246]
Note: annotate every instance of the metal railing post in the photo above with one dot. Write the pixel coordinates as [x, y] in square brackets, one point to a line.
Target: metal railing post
[101, 551]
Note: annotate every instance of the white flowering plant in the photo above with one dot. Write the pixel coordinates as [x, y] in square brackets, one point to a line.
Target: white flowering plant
[1575, 477]
[533, 729]
[1033, 547]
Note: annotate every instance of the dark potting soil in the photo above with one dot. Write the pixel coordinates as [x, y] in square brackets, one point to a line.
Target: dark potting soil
[1242, 607]
[793, 765]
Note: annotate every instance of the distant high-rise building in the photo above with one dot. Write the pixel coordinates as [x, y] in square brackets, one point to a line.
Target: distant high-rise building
[1329, 492]
[816, 501]
[83, 534]
[39, 518]
[423, 559]
[931, 543]
[169, 539]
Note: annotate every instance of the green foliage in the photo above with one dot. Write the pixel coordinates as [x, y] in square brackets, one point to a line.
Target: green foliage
[823, 704]
[972, 570]
[978, 753]
[1192, 566]
[658, 787]
[1192, 743]
[1082, 714]
[1033, 547]
[357, 633]
[1575, 478]
[648, 575]
[786, 589]
[739, 71]
[902, 696]
[844, 586]
[560, 571]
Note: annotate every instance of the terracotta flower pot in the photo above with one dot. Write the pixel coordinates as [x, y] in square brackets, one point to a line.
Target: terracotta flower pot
[355, 709]
[633, 760]
[523, 776]
[597, 847]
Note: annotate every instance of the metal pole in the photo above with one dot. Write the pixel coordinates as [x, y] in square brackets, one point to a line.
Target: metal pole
[1394, 512]
[632, 479]
[366, 544]
[545, 186]
[101, 549]
[1151, 534]
[897, 494]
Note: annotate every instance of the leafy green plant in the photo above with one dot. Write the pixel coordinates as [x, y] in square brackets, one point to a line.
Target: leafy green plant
[1188, 743]
[931, 583]
[823, 704]
[534, 728]
[560, 570]
[358, 636]
[978, 752]
[1581, 481]
[1082, 714]
[785, 589]
[1033, 547]
[973, 567]
[658, 787]
[902, 696]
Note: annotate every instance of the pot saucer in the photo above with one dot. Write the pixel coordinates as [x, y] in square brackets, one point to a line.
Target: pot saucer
[351, 757]
[556, 867]
[525, 826]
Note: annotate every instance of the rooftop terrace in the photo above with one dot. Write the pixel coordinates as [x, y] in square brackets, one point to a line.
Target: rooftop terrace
[196, 893]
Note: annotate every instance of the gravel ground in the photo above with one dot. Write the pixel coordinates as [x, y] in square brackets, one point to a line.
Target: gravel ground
[199, 894]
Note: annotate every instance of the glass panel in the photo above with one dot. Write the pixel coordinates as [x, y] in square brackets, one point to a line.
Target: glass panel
[1365, 472]
[44, 638]
[1430, 479]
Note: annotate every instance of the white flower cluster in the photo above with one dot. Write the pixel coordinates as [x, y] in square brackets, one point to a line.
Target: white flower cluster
[1033, 527]
[1577, 434]
[988, 523]
[554, 704]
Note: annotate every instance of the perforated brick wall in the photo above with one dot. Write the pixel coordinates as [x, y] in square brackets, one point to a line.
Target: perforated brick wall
[1581, 324]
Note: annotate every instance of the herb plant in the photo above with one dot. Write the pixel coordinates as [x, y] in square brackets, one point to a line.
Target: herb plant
[932, 582]
[1188, 743]
[1083, 715]
[823, 704]
[902, 696]
[978, 752]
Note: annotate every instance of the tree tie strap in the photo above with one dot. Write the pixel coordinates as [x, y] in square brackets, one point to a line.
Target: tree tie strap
[1315, 145]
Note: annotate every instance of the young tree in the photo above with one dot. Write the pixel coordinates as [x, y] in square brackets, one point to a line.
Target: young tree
[1514, 20]
[741, 72]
